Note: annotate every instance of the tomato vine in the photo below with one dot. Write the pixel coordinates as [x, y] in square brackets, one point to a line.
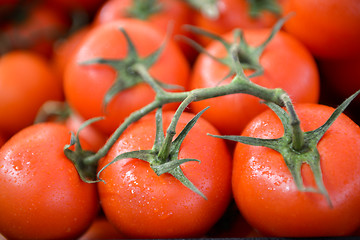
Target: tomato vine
[296, 147]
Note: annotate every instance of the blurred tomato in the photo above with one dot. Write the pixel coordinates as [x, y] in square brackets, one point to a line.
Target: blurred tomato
[34, 27]
[26, 83]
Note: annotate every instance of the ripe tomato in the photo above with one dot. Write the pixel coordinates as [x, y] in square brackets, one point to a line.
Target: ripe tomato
[173, 12]
[86, 85]
[233, 14]
[329, 28]
[101, 229]
[230, 114]
[267, 196]
[142, 204]
[64, 50]
[27, 82]
[39, 28]
[42, 196]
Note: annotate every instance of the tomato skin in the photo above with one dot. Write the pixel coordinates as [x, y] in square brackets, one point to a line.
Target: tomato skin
[266, 193]
[42, 196]
[329, 28]
[143, 205]
[23, 92]
[230, 114]
[65, 49]
[85, 85]
[232, 14]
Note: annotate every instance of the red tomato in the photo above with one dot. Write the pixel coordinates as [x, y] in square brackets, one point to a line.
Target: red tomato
[37, 31]
[101, 229]
[329, 28]
[267, 196]
[86, 85]
[42, 196]
[65, 49]
[142, 204]
[27, 82]
[233, 14]
[173, 12]
[230, 114]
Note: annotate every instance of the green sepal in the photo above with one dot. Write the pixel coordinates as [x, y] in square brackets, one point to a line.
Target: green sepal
[309, 154]
[143, 9]
[175, 146]
[249, 56]
[168, 166]
[318, 133]
[58, 109]
[145, 155]
[209, 8]
[86, 171]
[160, 163]
[126, 74]
[169, 163]
[258, 6]
[179, 175]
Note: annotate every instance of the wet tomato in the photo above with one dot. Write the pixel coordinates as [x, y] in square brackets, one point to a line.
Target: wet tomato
[267, 196]
[42, 196]
[142, 204]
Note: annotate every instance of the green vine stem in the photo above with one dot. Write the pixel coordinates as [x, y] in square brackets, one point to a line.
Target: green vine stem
[143, 9]
[240, 84]
[207, 7]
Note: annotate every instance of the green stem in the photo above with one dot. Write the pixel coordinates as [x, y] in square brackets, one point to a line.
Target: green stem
[238, 85]
[133, 117]
[297, 134]
[143, 9]
[208, 8]
[170, 132]
[142, 71]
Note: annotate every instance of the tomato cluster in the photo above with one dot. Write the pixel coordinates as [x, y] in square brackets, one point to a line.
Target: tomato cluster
[105, 130]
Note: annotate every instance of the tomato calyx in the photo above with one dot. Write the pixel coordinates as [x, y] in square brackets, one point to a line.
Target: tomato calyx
[258, 6]
[53, 109]
[249, 56]
[86, 170]
[163, 157]
[143, 9]
[126, 74]
[209, 8]
[296, 157]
